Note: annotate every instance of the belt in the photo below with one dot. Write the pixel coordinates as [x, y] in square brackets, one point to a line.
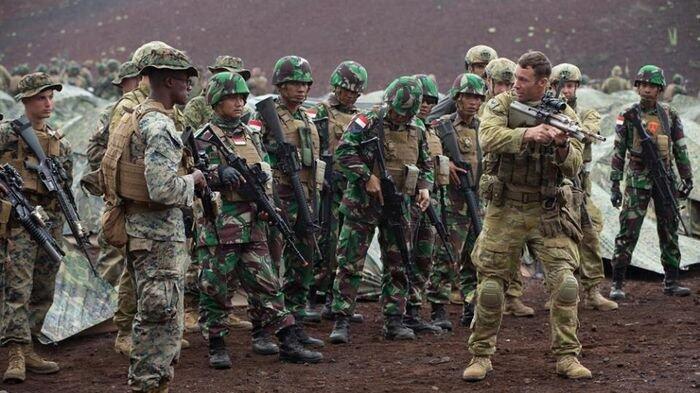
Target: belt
[524, 197]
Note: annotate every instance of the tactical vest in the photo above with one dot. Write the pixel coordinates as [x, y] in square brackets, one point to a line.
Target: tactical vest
[658, 130]
[243, 147]
[400, 151]
[50, 142]
[468, 139]
[304, 135]
[337, 121]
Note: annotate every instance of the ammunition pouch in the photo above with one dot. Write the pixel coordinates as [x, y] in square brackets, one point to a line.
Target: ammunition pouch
[491, 189]
[306, 147]
[410, 179]
[114, 224]
[5, 214]
[442, 170]
[320, 173]
[562, 215]
[92, 182]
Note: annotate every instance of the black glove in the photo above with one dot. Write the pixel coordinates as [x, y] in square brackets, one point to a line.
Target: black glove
[686, 188]
[616, 195]
[229, 177]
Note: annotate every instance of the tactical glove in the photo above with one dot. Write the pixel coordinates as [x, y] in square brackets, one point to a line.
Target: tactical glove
[229, 177]
[686, 188]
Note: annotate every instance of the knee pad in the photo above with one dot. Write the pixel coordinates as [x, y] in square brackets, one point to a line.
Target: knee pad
[567, 293]
[491, 294]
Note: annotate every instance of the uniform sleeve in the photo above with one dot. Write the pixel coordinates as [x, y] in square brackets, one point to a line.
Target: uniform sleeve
[192, 113]
[680, 149]
[348, 153]
[622, 128]
[66, 159]
[162, 160]
[425, 176]
[119, 110]
[571, 165]
[590, 121]
[495, 136]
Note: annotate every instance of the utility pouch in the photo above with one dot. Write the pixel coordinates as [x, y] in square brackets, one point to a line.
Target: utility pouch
[5, 214]
[320, 173]
[306, 146]
[411, 179]
[491, 189]
[442, 170]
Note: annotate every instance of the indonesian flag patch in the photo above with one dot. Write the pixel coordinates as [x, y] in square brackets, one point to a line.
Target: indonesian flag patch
[255, 125]
[361, 121]
[238, 139]
[311, 112]
[620, 120]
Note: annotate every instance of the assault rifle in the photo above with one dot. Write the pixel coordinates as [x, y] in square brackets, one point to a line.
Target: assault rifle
[27, 215]
[549, 112]
[255, 180]
[205, 193]
[664, 184]
[289, 165]
[467, 185]
[55, 179]
[441, 230]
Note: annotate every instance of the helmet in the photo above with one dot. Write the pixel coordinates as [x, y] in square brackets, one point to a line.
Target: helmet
[651, 74]
[223, 84]
[566, 72]
[113, 65]
[480, 54]
[429, 85]
[501, 70]
[291, 69]
[127, 70]
[73, 69]
[33, 84]
[145, 49]
[167, 58]
[404, 95]
[41, 68]
[616, 71]
[678, 79]
[350, 75]
[231, 64]
[468, 84]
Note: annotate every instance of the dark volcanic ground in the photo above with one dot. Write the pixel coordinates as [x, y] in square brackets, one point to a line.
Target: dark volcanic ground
[651, 344]
[389, 37]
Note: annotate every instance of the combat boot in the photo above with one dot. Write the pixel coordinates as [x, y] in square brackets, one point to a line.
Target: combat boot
[262, 343]
[594, 300]
[291, 350]
[477, 369]
[467, 314]
[234, 322]
[439, 317]
[184, 343]
[394, 329]
[616, 292]
[16, 371]
[192, 321]
[35, 364]
[671, 285]
[568, 366]
[122, 344]
[307, 340]
[341, 330]
[514, 306]
[327, 312]
[413, 321]
[218, 355]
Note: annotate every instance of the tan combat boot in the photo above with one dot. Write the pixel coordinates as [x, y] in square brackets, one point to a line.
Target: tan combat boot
[234, 322]
[192, 322]
[515, 306]
[456, 297]
[15, 368]
[184, 343]
[477, 369]
[568, 366]
[35, 364]
[122, 344]
[594, 300]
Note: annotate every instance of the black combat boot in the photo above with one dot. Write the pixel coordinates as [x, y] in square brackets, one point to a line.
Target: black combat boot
[291, 350]
[439, 316]
[671, 285]
[616, 292]
[262, 342]
[413, 321]
[306, 340]
[394, 329]
[467, 314]
[218, 356]
[341, 330]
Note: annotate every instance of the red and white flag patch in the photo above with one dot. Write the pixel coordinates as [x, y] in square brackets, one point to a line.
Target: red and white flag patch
[620, 120]
[255, 125]
[361, 121]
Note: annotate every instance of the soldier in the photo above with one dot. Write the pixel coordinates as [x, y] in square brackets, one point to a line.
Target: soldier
[73, 77]
[500, 76]
[238, 240]
[348, 81]
[475, 61]
[102, 75]
[408, 161]
[677, 86]
[17, 74]
[292, 78]
[197, 112]
[615, 82]
[664, 126]
[29, 273]
[528, 204]
[565, 78]
[86, 73]
[258, 82]
[143, 173]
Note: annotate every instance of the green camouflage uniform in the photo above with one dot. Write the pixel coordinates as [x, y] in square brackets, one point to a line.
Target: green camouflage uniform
[156, 249]
[522, 176]
[668, 136]
[237, 243]
[362, 213]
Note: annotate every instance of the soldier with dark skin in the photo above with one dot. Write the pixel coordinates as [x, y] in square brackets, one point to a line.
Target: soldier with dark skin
[408, 161]
[662, 123]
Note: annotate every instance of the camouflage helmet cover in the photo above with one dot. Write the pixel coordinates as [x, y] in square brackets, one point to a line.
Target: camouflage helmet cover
[651, 74]
[429, 85]
[223, 84]
[616, 71]
[127, 70]
[113, 65]
[231, 64]
[468, 84]
[73, 68]
[145, 49]
[33, 84]
[501, 70]
[291, 69]
[678, 79]
[565, 72]
[41, 68]
[404, 95]
[167, 58]
[350, 75]
[480, 54]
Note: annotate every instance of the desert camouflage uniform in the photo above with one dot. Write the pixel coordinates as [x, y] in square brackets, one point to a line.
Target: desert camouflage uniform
[615, 82]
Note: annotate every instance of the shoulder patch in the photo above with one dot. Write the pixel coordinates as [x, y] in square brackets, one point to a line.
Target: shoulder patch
[361, 120]
[620, 120]
[255, 125]
[493, 103]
